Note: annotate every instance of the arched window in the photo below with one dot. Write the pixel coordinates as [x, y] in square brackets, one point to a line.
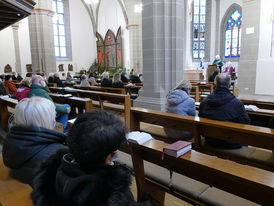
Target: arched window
[199, 28]
[233, 35]
[61, 29]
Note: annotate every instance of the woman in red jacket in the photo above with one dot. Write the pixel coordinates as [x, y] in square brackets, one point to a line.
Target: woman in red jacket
[23, 90]
[9, 85]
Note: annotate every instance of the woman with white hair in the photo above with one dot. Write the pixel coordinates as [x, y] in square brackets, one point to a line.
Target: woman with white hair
[32, 138]
[179, 102]
[218, 61]
[105, 80]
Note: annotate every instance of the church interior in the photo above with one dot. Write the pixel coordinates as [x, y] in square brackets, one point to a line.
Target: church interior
[179, 91]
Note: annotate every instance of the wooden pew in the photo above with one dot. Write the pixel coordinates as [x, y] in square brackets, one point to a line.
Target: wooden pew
[52, 84]
[102, 89]
[260, 104]
[261, 138]
[5, 104]
[194, 93]
[13, 192]
[81, 103]
[133, 91]
[218, 176]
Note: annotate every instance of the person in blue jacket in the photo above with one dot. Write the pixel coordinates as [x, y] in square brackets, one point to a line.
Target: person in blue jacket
[179, 102]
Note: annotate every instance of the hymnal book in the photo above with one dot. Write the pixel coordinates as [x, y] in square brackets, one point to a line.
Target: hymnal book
[67, 95]
[251, 108]
[178, 148]
[138, 137]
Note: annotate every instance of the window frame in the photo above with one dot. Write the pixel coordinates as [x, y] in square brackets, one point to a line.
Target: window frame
[225, 19]
[67, 35]
[207, 32]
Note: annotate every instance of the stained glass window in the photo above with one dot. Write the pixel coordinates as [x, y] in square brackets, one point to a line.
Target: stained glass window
[199, 28]
[233, 35]
[59, 29]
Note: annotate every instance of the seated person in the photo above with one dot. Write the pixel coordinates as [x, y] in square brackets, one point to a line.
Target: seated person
[19, 77]
[13, 76]
[105, 80]
[63, 77]
[57, 80]
[69, 77]
[91, 78]
[9, 85]
[212, 77]
[2, 88]
[32, 138]
[179, 102]
[229, 69]
[37, 89]
[223, 106]
[116, 83]
[135, 79]
[85, 175]
[29, 74]
[50, 79]
[84, 81]
[123, 77]
[23, 90]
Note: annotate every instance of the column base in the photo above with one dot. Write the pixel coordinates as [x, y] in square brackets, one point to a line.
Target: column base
[154, 100]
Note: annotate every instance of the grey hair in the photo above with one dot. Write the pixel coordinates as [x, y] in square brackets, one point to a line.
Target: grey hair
[222, 80]
[116, 77]
[105, 75]
[36, 79]
[183, 85]
[35, 111]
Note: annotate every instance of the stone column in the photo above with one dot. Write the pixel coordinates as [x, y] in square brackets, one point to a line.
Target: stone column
[16, 48]
[256, 62]
[42, 38]
[163, 53]
[135, 35]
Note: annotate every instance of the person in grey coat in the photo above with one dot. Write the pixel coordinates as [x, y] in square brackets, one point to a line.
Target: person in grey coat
[179, 102]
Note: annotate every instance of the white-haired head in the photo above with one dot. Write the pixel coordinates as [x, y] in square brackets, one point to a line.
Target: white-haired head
[217, 57]
[105, 75]
[35, 111]
[38, 80]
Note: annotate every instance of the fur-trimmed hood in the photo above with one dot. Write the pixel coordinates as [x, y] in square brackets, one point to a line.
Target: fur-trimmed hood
[61, 182]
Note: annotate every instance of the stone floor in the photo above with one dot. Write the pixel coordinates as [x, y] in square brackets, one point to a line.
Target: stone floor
[169, 199]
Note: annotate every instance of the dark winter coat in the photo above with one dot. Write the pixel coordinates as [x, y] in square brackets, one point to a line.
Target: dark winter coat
[61, 182]
[118, 85]
[26, 147]
[135, 79]
[124, 79]
[106, 83]
[58, 81]
[223, 106]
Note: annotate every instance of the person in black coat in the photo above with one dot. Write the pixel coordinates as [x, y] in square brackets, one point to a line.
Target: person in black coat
[105, 80]
[84, 175]
[2, 88]
[123, 77]
[135, 79]
[51, 78]
[223, 106]
[57, 80]
[212, 77]
[31, 139]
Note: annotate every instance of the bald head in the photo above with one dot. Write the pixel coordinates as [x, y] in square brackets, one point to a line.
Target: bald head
[38, 80]
[222, 80]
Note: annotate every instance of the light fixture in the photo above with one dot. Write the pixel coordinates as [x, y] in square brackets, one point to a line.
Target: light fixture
[138, 8]
[92, 1]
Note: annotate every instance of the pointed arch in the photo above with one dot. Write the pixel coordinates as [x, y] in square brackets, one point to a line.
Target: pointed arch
[224, 21]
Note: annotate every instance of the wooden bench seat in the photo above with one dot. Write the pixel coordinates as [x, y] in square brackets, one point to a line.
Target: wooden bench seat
[211, 173]
[12, 192]
[260, 155]
[102, 89]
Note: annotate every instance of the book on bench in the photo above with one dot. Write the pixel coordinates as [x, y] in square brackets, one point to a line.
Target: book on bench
[251, 108]
[138, 137]
[178, 148]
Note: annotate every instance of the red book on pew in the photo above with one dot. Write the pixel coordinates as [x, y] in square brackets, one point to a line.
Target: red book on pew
[177, 149]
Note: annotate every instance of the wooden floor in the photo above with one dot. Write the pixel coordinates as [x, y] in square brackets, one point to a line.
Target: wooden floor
[169, 199]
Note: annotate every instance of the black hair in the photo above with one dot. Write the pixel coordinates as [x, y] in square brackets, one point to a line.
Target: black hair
[7, 77]
[94, 136]
[29, 74]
